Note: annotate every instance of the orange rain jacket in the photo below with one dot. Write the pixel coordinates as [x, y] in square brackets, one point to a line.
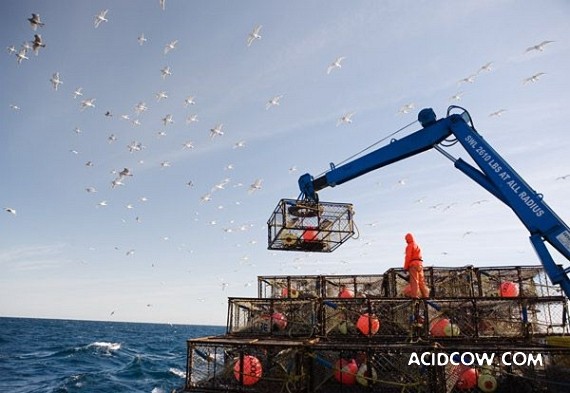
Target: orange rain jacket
[413, 252]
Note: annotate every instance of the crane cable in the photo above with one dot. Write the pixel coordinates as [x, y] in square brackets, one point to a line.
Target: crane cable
[372, 145]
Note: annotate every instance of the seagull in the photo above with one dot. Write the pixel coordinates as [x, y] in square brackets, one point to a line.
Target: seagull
[335, 64]
[167, 119]
[37, 43]
[192, 119]
[14, 107]
[111, 138]
[125, 172]
[91, 189]
[102, 17]
[189, 101]
[56, 81]
[162, 4]
[563, 177]
[273, 102]
[468, 79]
[102, 204]
[254, 35]
[11, 50]
[165, 164]
[497, 113]
[457, 96]
[255, 186]
[141, 107]
[21, 55]
[533, 78]
[166, 72]
[538, 47]
[188, 145]
[77, 92]
[406, 108]
[10, 210]
[345, 119]
[160, 95]
[170, 46]
[90, 103]
[216, 131]
[35, 21]
[142, 39]
[239, 144]
[485, 68]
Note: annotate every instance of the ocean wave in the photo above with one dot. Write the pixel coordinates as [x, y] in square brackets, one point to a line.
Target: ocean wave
[105, 346]
[177, 372]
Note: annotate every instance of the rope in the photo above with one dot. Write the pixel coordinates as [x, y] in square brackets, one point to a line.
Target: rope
[372, 145]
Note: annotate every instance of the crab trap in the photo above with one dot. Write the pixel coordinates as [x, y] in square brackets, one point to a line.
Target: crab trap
[272, 317]
[298, 225]
[307, 286]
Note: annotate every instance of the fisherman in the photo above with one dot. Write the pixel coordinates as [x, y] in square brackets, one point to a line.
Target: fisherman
[413, 264]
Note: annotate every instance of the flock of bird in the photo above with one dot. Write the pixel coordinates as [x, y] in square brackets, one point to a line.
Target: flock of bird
[120, 177]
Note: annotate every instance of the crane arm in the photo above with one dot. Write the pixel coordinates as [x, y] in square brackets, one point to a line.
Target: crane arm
[493, 173]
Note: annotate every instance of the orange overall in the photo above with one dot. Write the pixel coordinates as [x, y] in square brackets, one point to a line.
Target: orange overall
[414, 264]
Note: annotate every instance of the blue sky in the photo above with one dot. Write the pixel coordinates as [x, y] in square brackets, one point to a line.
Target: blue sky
[158, 252]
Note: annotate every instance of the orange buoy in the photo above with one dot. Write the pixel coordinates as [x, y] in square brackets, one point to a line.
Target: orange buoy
[368, 324]
[249, 369]
[467, 380]
[345, 293]
[508, 289]
[310, 235]
[279, 321]
[444, 328]
[345, 371]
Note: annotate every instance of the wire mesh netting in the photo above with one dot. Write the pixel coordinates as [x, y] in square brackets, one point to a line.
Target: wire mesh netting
[304, 226]
[238, 365]
[321, 286]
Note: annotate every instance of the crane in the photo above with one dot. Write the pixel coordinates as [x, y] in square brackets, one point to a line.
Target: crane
[493, 174]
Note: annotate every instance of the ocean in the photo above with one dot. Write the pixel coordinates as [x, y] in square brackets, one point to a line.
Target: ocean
[60, 356]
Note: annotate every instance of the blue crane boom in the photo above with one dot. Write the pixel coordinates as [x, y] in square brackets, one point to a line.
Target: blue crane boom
[493, 173]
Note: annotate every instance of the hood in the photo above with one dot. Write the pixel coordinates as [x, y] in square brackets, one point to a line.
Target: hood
[409, 238]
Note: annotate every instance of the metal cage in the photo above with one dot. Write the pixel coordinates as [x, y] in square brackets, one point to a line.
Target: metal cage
[314, 227]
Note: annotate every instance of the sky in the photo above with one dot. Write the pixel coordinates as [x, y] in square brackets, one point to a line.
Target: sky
[186, 228]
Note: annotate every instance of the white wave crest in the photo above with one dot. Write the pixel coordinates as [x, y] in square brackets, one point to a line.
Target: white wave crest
[177, 372]
[109, 347]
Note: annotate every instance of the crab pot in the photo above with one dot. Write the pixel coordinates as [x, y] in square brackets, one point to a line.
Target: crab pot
[298, 225]
[514, 320]
[306, 286]
[507, 282]
[443, 282]
[272, 317]
[338, 367]
[229, 364]
[374, 319]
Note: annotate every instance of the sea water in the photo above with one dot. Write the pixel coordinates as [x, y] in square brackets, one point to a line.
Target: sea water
[60, 356]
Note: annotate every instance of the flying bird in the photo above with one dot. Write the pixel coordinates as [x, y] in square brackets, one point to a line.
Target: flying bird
[345, 119]
[335, 64]
[37, 43]
[90, 103]
[485, 68]
[10, 210]
[255, 186]
[254, 35]
[21, 55]
[273, 102]
[538, 47]
[141, 39]
[498, 113]
[192, 119]
[56, 81]
[457, 96]
[170, 46]
[101, 17]
[216, 131]
[77, 92]
[35, 21]
[167, 120]
[160, 95]
[189, 101]
[406, 108]
[162, 4]
[533, 78]
[166, 72]
[468, 79]
[11, 50]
